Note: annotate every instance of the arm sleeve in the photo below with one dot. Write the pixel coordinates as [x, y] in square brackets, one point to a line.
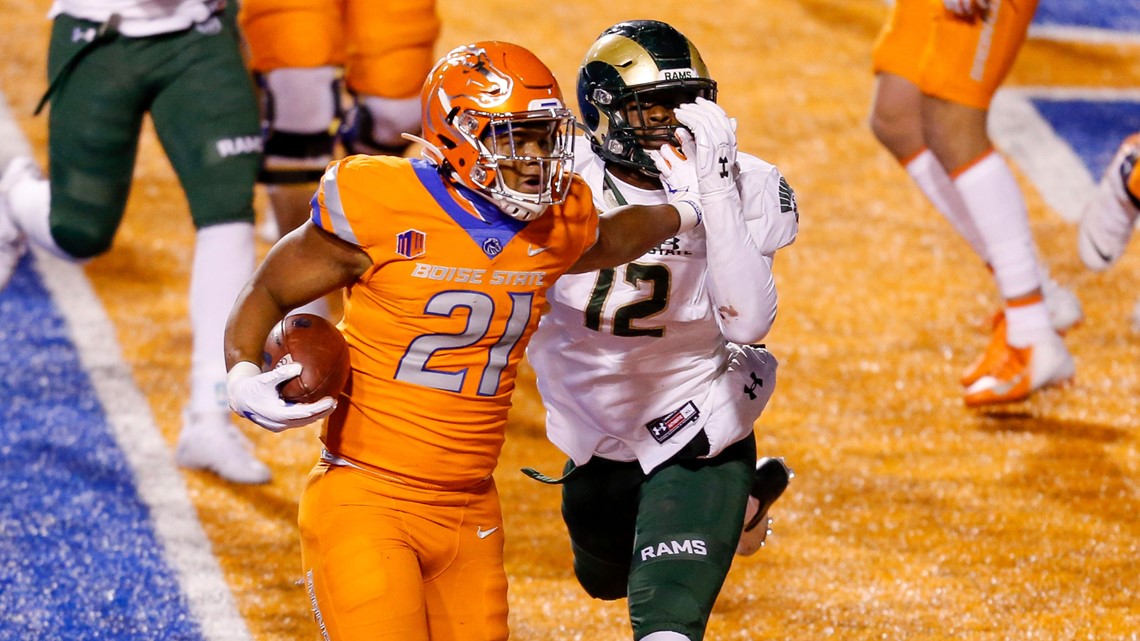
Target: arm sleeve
[740, 255]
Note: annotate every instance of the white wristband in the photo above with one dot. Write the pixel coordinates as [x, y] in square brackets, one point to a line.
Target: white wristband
[690, 213]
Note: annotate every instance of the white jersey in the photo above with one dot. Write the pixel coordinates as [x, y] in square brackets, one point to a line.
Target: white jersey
[632, 362]
[140, 18]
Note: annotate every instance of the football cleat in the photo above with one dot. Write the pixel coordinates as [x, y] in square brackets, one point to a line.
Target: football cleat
[990, 358]
[772, 477]
[209, 441]
[1022, 370]
[1109, 217]
[12, 243]
[1065, 313]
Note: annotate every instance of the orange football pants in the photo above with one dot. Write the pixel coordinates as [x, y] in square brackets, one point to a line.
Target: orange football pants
[384, 561]
[386, 47]
[957, 60]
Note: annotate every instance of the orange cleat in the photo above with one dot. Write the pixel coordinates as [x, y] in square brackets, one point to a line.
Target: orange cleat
[992, 357]
[1021, 371]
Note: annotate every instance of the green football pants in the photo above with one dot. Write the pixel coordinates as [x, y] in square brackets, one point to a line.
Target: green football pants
[195, 87]
[665, 540]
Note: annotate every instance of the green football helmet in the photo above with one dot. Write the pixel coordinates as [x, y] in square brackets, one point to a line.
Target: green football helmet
[631, 67]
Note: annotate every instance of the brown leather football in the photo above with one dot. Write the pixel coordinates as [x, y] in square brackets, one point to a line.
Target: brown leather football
[318, 346]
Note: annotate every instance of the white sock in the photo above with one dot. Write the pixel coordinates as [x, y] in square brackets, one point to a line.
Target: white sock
[223, 261]
[665, 636]
[30, 204]
[1026, 324]
[935, 183]
[993, 197]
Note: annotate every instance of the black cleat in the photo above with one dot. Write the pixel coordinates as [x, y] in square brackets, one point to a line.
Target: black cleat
[772, 477]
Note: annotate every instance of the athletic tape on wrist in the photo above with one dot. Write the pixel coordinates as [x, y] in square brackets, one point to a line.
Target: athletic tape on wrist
[690, 213]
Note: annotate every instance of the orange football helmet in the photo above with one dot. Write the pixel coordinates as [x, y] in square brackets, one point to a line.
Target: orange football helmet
[476, 101]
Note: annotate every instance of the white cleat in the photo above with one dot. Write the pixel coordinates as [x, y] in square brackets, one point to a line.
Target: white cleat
[1109, 217]
[12, 243]
[1064, 307]
[209, 441]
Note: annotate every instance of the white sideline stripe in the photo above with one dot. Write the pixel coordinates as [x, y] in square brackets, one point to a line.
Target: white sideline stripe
[1049, 162]
[157, 479]
[1089, 35]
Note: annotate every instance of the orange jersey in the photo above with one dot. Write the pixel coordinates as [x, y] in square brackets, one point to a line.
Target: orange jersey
[958, 60]
[437, 327]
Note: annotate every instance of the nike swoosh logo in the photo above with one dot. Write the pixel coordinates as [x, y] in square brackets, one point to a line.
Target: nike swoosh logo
[1099, 252]
[1103, 256]
[531, 250]
[1001, 389]
[481, 533]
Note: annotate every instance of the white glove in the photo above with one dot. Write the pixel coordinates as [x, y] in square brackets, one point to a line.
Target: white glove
[713, 145]
[679, 177]
[967, 8]
[254, 395]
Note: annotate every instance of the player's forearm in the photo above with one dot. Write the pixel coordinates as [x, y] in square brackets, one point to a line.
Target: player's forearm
[626, 233]
[739, 274]
[249, 323]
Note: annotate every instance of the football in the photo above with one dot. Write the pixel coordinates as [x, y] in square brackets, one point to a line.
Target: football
[318, 346]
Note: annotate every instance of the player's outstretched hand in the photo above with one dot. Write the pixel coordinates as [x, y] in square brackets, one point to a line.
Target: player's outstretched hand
[713, 145]
[254, 395]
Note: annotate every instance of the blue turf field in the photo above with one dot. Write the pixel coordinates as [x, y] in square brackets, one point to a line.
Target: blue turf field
[1116, 16]
[1092, 128]
[81, 559]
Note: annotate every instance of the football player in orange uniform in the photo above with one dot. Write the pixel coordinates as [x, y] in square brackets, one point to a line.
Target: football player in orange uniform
[937, 69]
[302, 52]
[447, 262]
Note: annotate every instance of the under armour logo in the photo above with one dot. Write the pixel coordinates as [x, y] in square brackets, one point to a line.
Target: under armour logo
[79, 34]
[723, 166]
[750, 390]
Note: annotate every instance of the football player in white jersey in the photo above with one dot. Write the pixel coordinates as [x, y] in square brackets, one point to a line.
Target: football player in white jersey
[110, 63]
[651, 372]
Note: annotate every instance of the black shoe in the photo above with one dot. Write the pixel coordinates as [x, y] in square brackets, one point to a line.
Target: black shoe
[772, 476]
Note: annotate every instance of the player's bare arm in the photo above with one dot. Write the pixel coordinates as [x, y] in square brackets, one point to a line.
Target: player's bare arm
[305, 265]
[302, 266]
[628, 232]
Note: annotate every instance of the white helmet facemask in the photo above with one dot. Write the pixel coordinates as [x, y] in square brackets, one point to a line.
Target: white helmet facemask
[500, 144]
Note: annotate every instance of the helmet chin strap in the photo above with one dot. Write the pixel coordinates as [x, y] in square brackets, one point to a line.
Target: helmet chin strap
[430, 152]
[525, 212]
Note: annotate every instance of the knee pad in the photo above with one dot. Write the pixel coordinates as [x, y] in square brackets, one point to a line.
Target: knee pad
[300, 108]
[373, 125]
